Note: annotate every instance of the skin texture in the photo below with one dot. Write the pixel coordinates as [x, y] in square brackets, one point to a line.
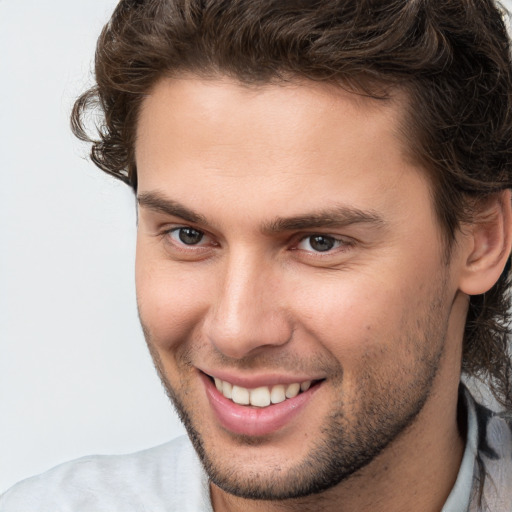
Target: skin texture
[378, 318]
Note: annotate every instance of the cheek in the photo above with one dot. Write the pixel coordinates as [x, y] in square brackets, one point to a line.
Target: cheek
[342, 304]
[171, 301]
[357, 316]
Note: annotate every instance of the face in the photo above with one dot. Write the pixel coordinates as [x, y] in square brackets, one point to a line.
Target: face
[290, 278]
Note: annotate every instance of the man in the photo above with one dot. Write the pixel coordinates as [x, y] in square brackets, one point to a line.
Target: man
[324, 220]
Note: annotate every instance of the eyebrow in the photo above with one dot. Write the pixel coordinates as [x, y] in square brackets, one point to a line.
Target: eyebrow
[336, 217]
[154, 201]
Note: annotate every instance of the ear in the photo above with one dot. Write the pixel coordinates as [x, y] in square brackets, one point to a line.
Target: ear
[487, 244]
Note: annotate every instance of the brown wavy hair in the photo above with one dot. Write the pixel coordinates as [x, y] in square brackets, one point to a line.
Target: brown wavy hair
[451, 57]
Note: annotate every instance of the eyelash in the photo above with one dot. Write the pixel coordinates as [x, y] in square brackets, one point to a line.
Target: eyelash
[339, 244]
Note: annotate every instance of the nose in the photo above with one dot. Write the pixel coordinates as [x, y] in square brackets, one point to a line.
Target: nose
[247, 313]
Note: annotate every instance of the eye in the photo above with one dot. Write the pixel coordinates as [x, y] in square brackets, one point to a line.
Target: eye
[187, 235]
[319, 243]
[187, 243]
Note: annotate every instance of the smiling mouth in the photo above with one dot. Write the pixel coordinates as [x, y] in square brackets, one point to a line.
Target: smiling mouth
[262, 396]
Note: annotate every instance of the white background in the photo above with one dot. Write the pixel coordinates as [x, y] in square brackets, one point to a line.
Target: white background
[75, 376]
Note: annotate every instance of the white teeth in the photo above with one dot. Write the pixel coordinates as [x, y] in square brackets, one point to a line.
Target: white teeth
[260, 397]
[292, 390]
[227, 389]
[305, 385]
[277, 395]
[240, 395]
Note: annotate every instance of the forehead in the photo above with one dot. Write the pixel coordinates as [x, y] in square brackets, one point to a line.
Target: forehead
[276, 116]
[273, 149]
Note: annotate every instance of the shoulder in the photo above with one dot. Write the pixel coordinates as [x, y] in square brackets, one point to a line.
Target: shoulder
[164, 478]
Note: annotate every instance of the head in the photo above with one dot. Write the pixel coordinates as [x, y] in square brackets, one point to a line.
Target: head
[439, 71]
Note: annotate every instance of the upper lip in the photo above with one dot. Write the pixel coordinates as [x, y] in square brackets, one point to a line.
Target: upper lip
[259, 380]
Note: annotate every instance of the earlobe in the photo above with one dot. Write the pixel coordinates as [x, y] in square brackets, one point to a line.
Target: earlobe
[489, 242]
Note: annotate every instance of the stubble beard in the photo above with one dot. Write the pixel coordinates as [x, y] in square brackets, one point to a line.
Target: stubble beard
[388, 406]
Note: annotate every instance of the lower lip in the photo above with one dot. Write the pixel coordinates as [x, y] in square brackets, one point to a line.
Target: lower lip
[255, 421]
